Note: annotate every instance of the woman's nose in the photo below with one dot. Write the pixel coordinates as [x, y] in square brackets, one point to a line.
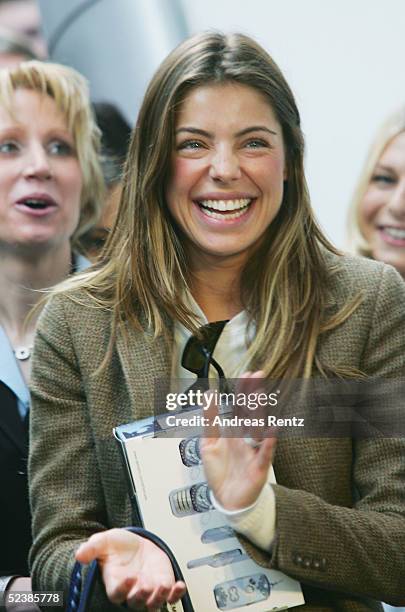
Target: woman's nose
[225, 165]
[37, 163]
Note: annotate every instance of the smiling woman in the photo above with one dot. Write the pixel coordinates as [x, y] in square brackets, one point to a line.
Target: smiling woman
[216, 258]
[377, 213]
[228, 172]
[50, 192]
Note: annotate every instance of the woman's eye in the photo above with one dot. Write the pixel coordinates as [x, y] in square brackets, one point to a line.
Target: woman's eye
[256, 143]
[190, 145]
[8, 147]
[383, 179]
[60, 147]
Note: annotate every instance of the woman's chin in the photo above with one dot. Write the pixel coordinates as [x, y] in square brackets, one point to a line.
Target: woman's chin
[34, 242]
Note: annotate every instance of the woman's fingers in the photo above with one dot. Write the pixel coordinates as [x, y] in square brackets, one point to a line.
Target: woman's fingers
[155, 598]
[265, 453]
[94, 548]
[109, 543]
[158, 597]
[162, 596]
[248, 382]
[177, 592]
[211, 431]
[117, 590]
[137, 597]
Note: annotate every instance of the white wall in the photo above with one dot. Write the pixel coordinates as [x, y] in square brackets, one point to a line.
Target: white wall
[345, 61]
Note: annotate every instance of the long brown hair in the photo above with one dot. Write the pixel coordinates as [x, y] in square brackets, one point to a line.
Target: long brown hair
[144, 267]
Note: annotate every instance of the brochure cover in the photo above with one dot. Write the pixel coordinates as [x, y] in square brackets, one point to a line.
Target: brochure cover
[167, 484]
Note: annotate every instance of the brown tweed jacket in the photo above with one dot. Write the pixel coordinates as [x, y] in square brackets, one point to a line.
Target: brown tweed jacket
[340, 502]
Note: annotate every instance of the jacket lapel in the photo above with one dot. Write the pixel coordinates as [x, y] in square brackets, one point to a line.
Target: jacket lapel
[146, 363]
[10, 421]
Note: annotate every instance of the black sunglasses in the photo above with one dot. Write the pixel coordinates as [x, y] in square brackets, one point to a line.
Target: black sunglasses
[197, 355]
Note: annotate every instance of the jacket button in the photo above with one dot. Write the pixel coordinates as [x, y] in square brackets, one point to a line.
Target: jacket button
[307, 562]
[316, 564]
[297, 559]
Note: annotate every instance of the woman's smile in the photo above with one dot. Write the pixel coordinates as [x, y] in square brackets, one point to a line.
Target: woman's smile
[224, 209]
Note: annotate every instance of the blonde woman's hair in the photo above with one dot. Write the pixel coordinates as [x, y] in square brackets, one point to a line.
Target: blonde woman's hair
[143, 275]
[70, 92]
[392, 126]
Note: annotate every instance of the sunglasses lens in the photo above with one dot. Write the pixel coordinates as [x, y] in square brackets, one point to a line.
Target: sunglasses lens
[198, 350]
[193, 358]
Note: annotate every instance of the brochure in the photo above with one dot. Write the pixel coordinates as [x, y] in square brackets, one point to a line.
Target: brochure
[168, 487]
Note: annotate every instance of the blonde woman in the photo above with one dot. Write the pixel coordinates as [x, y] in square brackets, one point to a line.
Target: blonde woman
[215, 226]
[377, 215]
[51, 191]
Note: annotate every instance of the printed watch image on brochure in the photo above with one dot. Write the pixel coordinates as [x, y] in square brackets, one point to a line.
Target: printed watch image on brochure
[168, 487]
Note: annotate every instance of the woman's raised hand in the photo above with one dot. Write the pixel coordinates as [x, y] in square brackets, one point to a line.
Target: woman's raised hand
[237, 470]
[134, 570]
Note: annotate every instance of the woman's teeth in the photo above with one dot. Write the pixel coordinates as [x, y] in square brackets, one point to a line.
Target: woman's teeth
[232, 208]
[394, 232]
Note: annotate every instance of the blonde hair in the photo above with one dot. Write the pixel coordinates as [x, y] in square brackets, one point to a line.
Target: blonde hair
[143, 276]
[70, 92]
[392, 126]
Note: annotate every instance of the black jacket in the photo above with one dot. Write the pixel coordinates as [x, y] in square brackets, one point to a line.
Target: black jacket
[15, 518]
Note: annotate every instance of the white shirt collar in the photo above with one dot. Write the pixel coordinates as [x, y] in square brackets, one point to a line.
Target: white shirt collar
[231, 347]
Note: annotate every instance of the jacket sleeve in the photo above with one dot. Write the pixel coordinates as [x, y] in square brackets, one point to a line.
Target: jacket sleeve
[65, 488]
[357, 550]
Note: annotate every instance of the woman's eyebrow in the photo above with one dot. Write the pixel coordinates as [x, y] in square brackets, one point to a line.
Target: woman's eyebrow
[11, 128]
[253, 128]
[59, 132]
[193, 130]
[256, 128]
[383, 167]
